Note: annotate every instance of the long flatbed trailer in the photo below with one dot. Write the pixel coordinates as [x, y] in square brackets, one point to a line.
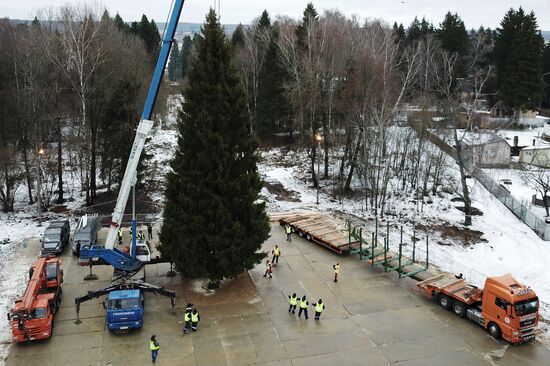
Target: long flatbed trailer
[320, 229]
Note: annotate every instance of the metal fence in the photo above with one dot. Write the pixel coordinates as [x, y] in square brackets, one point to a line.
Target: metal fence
[530, 218]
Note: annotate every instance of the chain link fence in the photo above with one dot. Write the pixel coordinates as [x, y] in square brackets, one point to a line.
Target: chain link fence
[531, 219]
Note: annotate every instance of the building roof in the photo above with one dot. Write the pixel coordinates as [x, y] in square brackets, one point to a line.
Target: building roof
[478, 138]
[540, 147]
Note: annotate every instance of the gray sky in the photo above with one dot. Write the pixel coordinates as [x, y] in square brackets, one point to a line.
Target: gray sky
[473, 12]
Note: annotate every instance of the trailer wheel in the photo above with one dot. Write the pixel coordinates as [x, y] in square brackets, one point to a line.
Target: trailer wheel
[459, 309]
[308, 237]
[444, 301]
[494, 331]
[301, 234]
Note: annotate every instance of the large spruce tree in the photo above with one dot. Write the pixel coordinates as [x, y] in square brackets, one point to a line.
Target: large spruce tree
[213, 223]
[518, 60]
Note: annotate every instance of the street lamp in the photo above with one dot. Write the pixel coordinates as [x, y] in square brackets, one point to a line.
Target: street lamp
[318, 138]
[38, 186]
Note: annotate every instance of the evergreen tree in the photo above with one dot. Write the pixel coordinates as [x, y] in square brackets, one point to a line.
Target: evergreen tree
[174, 66]
[213, 225]
[185, 54]
[419, 29]
[454, 39]
[518, 59]
[120, 23]
[310, 17]
[237, 39]
[546, 75]
[399, 32]
[149, 33]
[272, 106]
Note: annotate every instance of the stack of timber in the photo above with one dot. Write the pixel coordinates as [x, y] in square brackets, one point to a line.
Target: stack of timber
[320, 229]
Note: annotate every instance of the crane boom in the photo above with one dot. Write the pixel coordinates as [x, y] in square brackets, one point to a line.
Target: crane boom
[145, 125]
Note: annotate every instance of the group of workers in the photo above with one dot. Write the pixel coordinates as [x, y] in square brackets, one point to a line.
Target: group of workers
[304, 303]
[140, 234]
[191, 319]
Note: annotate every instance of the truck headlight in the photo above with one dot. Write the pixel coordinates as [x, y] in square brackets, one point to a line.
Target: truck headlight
[515, 333]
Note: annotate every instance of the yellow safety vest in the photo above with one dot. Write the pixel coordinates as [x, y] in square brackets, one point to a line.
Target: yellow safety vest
[120, 232]
[187, 316]
[294, 300]
[152, 346]
[336, 268]
[303, 304]
[288, 229]
[276, 252]
[319, 307]
[194, 317]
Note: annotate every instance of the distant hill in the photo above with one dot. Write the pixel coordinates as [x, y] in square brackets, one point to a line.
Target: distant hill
[192, 28]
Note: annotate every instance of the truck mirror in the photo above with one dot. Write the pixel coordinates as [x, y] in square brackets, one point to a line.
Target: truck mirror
[509, 310]
[104, 306]
[9, 316]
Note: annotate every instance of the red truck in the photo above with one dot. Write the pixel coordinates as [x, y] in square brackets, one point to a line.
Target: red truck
[504, 307]
[31, 317]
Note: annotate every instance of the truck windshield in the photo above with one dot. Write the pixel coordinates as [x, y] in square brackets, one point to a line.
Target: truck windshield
[124, 304]
[51, 271]
[38, 313]
[527, 306]
[52, 235]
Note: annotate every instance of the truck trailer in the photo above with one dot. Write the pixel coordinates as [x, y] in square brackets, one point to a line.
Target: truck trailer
[31, 318]
[504, 307]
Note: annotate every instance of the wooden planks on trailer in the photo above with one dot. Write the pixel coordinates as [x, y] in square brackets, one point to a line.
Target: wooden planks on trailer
[319, 228]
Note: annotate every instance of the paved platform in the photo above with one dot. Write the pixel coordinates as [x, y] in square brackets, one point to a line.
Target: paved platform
[371, 319]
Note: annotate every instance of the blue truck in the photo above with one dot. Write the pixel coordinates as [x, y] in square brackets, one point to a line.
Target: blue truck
[125, 310]
[125, 303]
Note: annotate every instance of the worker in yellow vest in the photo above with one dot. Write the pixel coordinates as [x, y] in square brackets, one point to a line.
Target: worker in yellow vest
[319, 307]
[154, 347]
[268, 269]
[288, 231]
[120, 235]
[187, 318]
[293, 301]
[276, 253]
[195, 318]
[336, 269]
[303, 307]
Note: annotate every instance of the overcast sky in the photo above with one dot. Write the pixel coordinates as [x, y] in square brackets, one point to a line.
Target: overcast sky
[473, 12]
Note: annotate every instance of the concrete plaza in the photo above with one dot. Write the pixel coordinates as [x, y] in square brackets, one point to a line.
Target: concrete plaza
[370, 319]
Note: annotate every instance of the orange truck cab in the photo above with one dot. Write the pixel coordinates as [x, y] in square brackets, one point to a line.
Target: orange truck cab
[504, 307]
[31, 317]
[509, 309]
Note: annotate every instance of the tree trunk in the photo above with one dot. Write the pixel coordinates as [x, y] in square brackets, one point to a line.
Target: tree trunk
[28, 174]
[60, 198]
[353, 162]
[93, 163]
[465, 192]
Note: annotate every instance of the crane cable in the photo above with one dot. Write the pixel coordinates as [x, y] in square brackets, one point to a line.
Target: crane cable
[167, 19]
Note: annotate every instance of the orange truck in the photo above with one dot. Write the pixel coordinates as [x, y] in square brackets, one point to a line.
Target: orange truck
[31, 317]
[504, 307]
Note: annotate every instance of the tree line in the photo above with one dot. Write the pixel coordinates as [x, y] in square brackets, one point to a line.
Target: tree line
[341, 88]
[72, 83]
